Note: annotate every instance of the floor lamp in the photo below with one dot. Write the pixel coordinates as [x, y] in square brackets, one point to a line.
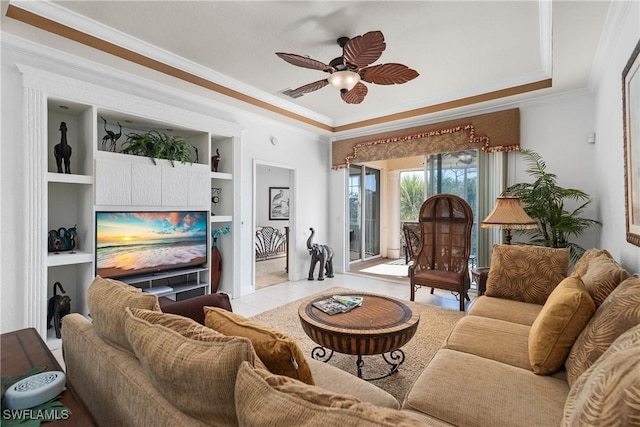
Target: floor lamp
[508, 215]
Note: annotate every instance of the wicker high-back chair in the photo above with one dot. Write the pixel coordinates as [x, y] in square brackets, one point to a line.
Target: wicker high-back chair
[445, 245]
[411, 234]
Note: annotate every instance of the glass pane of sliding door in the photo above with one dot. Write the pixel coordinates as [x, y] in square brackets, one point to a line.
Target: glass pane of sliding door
[364, 212]
[456, 173]
[355, 212]
[371, 212]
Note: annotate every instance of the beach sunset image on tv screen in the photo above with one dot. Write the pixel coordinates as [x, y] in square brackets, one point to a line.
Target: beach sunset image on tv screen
[129, 243]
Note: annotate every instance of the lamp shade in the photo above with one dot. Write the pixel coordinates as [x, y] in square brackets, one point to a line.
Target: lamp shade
[508, 214]
[344, 80]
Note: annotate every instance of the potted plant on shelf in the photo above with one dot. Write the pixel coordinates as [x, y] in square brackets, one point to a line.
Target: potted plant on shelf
[544, 201]
[158, 145]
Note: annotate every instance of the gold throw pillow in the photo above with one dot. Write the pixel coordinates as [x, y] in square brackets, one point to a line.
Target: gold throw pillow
[280, 354]
[563, 317]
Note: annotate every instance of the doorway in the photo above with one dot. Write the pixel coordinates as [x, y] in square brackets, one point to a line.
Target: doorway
[273, 216]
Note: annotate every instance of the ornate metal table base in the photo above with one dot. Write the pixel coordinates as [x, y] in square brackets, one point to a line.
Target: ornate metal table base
[394, 358]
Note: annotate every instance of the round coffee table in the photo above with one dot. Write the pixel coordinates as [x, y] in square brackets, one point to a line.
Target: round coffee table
[381, 325]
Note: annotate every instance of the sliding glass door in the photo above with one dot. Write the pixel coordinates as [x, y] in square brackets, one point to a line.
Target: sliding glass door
[364, 212]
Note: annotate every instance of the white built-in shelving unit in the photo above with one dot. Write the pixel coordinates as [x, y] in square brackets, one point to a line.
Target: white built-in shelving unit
[102, 180]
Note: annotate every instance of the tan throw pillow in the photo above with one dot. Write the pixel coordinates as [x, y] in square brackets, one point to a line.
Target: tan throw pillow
[564, 315]
[265, 399]
[107, 299]
[608, 393]
[526, 273]
[589, 255]
[602, 276]
[278, 352]
[186, 327]
[617, 314]
[195, 375]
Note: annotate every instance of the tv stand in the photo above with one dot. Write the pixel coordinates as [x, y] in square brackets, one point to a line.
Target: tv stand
[171, 283]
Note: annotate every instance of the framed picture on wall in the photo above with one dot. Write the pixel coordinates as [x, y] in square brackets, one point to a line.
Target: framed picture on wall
[279, 203]
[631, 114]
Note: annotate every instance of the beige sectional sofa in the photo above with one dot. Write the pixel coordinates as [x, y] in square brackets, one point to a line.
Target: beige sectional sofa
[129, 365]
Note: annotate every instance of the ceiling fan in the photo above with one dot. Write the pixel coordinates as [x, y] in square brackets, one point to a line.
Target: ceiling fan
[347, 71]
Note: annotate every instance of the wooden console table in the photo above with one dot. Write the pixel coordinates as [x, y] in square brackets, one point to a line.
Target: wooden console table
[23, 350]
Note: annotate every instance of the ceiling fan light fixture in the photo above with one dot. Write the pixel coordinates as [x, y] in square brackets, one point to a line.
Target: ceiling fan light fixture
[344, 80]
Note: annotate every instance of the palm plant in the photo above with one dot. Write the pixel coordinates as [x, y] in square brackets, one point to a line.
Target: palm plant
[411, 196]
[154, 144]
[544, 201]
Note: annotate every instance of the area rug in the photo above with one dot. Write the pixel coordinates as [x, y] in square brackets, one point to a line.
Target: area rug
[435, 325]
[271, 272]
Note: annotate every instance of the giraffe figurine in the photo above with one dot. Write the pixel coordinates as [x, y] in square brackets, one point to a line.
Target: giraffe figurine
[62, 151]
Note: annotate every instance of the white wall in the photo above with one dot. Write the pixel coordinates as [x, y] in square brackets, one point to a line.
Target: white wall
[269, 176]
[609, 168]
[557, 128]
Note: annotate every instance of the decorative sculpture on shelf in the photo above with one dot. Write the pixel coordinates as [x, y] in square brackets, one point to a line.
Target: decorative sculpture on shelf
[110, 137]
[62, 239]
[62, 151]
[322, 254]
[215, 161]
[216, 257]
[59, 306]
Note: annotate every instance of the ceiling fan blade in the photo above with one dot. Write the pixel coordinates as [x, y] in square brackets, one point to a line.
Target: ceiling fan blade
[308, 88]
[303, 61]
[364, 50]
[388, 74]
[355, 95]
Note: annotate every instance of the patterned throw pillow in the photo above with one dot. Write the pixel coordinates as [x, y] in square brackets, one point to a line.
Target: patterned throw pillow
[608, 393]
[602, 276]
[277, 351]
[617, 314]
[526, 273]
[265, 399]
[196, 375]
[589, 255]
[107, 299]
[564, 315]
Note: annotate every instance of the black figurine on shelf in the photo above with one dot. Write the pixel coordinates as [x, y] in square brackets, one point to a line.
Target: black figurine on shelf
[58, 307]
[110, 137]
[215, 161]
[62, 151]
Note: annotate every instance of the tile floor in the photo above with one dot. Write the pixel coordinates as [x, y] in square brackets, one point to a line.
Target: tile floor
[277, 295]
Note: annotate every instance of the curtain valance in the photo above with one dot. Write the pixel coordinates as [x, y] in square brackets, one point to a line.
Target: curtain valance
[492, 132]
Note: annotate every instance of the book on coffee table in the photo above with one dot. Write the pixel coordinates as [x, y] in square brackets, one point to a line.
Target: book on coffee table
[338, 304]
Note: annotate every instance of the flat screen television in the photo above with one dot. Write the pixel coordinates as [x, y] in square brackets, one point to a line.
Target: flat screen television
[132, 243]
